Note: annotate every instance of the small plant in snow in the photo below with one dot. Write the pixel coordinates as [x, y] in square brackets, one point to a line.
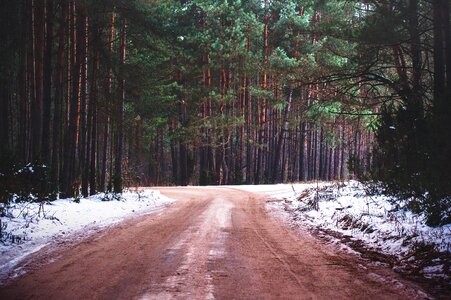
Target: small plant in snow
[139, 194]
[8, 237]
[77, 198]
[110, 196]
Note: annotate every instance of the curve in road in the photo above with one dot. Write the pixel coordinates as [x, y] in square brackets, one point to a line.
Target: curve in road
[214, 243]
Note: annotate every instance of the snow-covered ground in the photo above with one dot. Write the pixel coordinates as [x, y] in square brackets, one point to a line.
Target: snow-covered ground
[279, 191]
[27, 229]
[372, 221]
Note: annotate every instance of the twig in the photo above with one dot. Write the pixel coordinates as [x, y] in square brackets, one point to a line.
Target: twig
[294, 191]
[25, 207]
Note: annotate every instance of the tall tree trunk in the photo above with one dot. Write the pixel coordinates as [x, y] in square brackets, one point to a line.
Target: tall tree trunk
[70, 181]
[439, 57]
[120, 122]
[344, 149]
[109, 92]
[322, 147]
[416, 52]
[47, 100]
[261, 138]
[302, 152]
[243, 158]
[23, 82]
[56, 139]
[249, 127]
[283, 130]
[39, 36]
[4, 121]
[83, 140]
[93, 117]
[174, 160]
[250, 146]
[447, 33]
[6, 69]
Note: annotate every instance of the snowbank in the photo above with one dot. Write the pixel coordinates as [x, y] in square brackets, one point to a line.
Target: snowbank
[278, 191]
[26, 229]
[372, 221]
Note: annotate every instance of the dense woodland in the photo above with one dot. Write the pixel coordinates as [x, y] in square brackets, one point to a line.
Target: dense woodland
[100, 94]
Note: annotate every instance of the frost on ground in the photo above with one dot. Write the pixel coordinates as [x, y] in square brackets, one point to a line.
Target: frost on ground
[26, 228]
[347, 213]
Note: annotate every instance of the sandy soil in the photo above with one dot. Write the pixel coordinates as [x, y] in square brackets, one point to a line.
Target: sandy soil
[212, 244]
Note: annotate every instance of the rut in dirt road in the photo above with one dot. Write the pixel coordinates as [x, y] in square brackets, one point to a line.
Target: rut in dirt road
[214, 243]
[200, 245]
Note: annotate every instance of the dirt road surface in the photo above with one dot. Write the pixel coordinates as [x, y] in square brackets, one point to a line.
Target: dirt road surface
[214, 243]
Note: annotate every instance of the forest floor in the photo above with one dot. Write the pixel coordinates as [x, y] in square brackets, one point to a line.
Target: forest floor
[211, 243]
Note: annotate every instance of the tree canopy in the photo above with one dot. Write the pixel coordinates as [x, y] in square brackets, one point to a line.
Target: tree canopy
[107, 93]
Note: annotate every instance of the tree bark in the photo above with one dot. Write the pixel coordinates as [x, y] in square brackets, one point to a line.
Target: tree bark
[70, 181]
[38, 16]
[47, 82]
[83, 139]
[56, 139]
[120, 112]
[109, 93]
[439, 58]
[283, 130]
[93, 117]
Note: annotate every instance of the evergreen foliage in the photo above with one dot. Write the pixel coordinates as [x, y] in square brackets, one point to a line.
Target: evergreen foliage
[412, 153]
[108, 93]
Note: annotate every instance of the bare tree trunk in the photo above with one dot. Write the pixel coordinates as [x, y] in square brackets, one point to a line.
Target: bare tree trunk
[321, 153]
[47, 82]
[70, 182]
[23, 81]
[93, 140]
[439, 58]
[261, 138]
[56, 140]
[302, 152]
[344, 156]
[106, 129]
[83, 139]
[243, 158]
[251, 136]
[174, 159]
[283, 130]
[4, 120]
[447, 33]
[39, 38]
[120, 111]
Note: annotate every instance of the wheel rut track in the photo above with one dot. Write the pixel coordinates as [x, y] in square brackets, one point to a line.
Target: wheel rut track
[213, 243]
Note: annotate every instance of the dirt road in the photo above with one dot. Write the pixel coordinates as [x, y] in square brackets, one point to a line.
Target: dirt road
[212, 244]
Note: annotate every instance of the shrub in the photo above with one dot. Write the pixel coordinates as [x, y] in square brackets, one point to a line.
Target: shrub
[413, 161]
[29, 182]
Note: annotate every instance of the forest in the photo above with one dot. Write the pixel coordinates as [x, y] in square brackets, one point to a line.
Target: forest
[98, 95]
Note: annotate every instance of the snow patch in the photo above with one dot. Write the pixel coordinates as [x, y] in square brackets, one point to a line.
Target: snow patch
[372, 220]
[33, 229]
